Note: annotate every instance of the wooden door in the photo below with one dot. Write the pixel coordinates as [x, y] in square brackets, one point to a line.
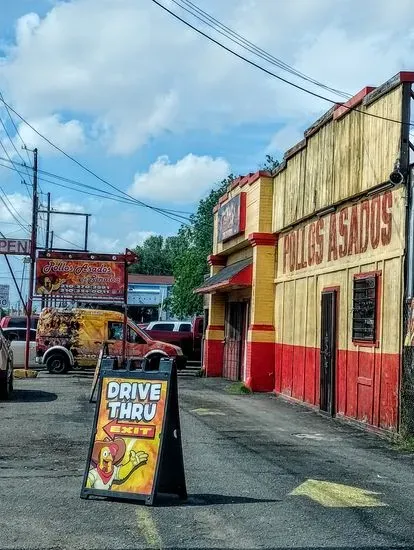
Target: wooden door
[328, 352]
[233, 340]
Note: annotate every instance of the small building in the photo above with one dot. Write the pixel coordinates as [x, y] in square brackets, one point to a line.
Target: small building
[312, 272]
[147, 297]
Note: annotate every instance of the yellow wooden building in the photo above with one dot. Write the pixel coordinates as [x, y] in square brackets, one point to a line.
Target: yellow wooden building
[312, 264]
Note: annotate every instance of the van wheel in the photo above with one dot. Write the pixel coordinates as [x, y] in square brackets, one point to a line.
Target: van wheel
[57, 363]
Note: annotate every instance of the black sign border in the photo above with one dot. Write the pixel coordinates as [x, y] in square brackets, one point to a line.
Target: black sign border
[139, 375]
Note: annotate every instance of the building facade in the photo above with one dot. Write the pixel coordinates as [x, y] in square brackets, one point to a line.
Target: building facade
[147, 297]
[311, 278]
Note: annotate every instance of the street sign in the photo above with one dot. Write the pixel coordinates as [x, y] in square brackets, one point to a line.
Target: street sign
[4, 296]
[15, 246]
[135, 450]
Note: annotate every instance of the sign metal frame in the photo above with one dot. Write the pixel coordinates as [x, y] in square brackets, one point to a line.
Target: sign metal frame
[169, 469]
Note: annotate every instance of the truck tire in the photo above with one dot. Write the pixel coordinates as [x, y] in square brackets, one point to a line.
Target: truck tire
[57, 363]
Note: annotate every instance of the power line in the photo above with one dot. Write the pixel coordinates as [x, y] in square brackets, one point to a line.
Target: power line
[238, 39]
[100, 192]
[9, 208]
[17, 132]
[66, 241]
[13, 145]
[270, 73]
[21, 175]
[162, 211]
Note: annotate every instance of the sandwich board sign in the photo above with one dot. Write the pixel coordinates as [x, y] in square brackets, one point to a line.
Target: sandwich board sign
[4, 296]
[135, 450]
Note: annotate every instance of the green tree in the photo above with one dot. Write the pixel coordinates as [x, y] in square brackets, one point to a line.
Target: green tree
[270, 164]
[154, 256]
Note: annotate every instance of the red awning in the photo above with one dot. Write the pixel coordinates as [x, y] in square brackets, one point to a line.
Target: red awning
[237, 275]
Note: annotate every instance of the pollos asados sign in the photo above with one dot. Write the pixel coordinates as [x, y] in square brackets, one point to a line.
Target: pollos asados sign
[354, 229]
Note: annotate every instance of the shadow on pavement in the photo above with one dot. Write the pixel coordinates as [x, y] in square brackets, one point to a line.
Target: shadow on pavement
[81, 373]
[32, 396]
[207, 499]
[354, 547]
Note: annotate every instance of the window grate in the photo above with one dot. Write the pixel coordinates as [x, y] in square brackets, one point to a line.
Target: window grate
[364, 309]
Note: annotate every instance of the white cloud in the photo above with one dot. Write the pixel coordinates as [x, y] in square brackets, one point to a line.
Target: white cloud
[182, 182]
[285, 138]
[15, 211]
[135, 73]
[69, 135]
[136, 238]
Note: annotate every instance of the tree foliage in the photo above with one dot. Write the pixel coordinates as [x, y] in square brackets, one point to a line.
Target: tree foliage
[270, 164]
[157, 255]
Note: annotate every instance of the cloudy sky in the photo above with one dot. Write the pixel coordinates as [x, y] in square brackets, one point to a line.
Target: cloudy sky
[162, 113]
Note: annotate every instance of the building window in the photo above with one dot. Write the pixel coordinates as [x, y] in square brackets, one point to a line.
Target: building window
[364, 311]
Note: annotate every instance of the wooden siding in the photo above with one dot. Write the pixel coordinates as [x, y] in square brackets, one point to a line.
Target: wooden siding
[242, 254]
[367, 376]
[345, 157]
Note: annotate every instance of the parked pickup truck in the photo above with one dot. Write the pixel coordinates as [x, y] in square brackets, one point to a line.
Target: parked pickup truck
[185, 334]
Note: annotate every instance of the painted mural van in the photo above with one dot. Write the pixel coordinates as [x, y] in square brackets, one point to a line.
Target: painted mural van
[73, 339]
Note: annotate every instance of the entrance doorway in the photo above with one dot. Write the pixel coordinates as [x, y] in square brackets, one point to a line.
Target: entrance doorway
[234, 334]
[328, 351]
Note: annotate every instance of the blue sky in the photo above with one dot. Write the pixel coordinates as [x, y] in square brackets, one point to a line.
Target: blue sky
[162, 113]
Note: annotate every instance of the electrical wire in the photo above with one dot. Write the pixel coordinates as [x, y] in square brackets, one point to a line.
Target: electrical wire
[9, 208]
[66, 241]
[17, 132]
[101, 193]
[163, 211]
[13, 145]
[238, 39]
[270, 73]
[170, 213]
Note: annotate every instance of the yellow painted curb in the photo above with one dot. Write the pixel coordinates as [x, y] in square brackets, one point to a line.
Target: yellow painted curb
[22, 373]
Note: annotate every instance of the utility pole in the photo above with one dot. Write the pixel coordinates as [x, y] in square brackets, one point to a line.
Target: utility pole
[29, 306]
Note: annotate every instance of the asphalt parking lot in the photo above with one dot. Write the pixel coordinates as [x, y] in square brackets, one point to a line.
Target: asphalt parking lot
[260, 474]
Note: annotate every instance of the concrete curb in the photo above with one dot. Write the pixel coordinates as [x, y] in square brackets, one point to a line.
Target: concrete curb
[22, 373]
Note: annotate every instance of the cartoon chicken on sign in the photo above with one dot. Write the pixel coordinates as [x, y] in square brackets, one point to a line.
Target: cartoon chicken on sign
[107, 456]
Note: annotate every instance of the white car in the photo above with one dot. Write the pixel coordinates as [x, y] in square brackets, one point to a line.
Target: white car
[170, 326]
[17, 336]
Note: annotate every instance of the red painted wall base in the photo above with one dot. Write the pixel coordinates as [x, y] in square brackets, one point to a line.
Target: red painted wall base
[213, 357]
[259, 366]
[366, 382]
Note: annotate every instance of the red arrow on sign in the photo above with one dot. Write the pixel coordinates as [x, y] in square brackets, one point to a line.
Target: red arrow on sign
[115, 428]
